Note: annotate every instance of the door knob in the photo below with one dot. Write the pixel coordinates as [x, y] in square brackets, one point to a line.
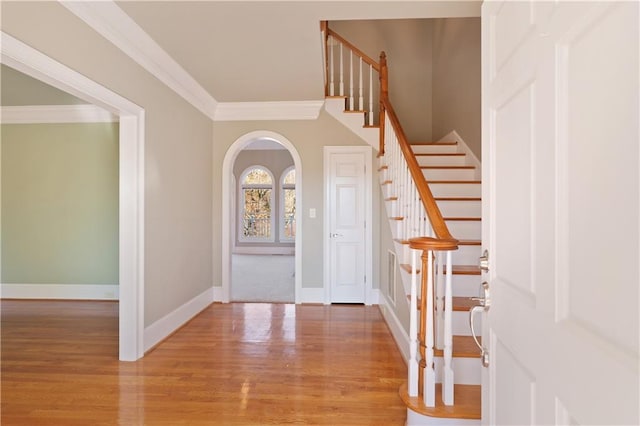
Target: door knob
[485, 304]
[484, 261]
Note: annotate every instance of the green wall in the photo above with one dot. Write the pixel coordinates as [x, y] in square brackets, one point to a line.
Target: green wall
[60, 203]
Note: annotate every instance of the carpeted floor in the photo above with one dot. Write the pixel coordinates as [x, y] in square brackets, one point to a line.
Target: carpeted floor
[262, 278]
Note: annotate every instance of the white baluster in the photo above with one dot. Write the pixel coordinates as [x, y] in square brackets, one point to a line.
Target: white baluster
[447, 373]
[440, 289]
[351, 108]
[361, 97]
[331, 76]
[413, 327]
[429, 378]
[341, 72]
[371, 96]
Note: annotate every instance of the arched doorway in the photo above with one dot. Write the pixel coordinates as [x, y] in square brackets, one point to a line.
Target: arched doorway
[228, 191]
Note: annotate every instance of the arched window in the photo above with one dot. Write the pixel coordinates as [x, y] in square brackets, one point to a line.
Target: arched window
[256, 198]
[288, 204]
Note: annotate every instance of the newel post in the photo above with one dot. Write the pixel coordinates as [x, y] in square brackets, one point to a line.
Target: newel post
[384, 95]
[324, 28]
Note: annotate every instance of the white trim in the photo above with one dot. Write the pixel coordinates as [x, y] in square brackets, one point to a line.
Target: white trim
[227, 209]
[370, 298]
[374, 296]
[398, 332]
[108, 20]
[312, 295]
[290, 251]
[131, 170]
[55, 114]
[278, 110]
[453, 136]
[217, 294]
[168, 324]
[60, 291]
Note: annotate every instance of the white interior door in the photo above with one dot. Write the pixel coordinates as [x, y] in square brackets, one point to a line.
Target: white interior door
[346, 210]
[560, 160]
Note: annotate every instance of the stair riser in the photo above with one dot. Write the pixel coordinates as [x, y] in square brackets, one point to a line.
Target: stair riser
[455, 189]
[466, 255]
[442, 160]
[461, 323]
[448, 174]
[460, 208]
[465, 230]
[434, 149]
[466, 371]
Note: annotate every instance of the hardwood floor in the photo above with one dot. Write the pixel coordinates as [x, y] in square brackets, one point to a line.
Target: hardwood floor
[234, 364]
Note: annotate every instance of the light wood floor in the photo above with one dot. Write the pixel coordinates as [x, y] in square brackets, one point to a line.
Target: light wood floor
[234, 364]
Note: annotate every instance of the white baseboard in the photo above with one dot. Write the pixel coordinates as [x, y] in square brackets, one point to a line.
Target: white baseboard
[311, 295]
[453, 136]
[373, 298]
[162, 328]
[60, 291]
[397, 330]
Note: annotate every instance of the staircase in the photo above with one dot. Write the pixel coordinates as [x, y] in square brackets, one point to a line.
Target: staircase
[431, 193]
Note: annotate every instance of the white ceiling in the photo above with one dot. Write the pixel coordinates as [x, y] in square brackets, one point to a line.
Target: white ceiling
[258, 51]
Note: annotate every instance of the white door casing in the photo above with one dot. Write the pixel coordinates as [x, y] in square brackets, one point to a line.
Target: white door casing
[29, 61]
[561, 202]
[348, 210]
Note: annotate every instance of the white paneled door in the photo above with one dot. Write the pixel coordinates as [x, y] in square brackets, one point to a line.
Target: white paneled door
[346, 210]
[560, 161]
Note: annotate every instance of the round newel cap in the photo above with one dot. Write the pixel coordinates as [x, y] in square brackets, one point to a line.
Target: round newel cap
[435, 244]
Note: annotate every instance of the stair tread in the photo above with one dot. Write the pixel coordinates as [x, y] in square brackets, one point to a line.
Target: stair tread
[382, 168]
[355, 111]
[463, 218]
[463, 347]
[469, 243]
[391, 199]
[457, 269]
[371, 126]
[467, 402]
[460, 304]
[457, 198]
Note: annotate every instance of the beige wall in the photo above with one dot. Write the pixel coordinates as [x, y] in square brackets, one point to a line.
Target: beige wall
[277, 161]
[59, 203]
[309, 137]
[456, 79]
[434, 72]
[178, 171]
[407, 44]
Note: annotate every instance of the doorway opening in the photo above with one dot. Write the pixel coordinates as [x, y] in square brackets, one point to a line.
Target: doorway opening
[261, 232]
[33, 63]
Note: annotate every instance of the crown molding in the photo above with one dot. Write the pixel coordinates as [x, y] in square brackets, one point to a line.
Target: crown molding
[106, 18]
[285, 110]
[55, 114]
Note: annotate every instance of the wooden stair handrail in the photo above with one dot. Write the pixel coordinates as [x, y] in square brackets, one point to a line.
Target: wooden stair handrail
[431, 207]
[355, 50]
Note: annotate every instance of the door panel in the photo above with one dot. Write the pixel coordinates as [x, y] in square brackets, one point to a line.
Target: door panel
[347, 248]
[561, 197]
